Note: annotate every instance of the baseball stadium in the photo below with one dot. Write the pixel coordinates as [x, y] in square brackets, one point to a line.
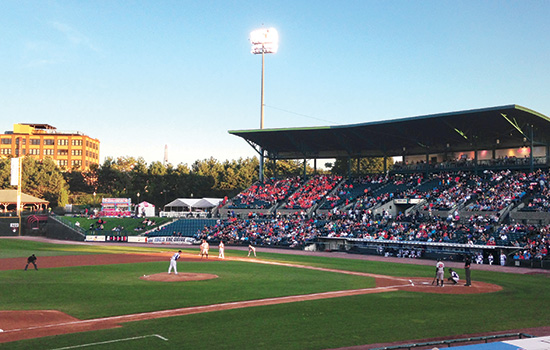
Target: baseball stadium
[339, 261]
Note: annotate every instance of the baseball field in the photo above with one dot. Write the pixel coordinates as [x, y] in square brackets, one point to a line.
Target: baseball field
[121, 297]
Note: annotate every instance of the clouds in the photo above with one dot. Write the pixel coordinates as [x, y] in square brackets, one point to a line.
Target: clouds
[74, 36]
[56, 43]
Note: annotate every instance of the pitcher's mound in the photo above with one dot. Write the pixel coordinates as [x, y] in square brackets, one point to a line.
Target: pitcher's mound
[181, 277]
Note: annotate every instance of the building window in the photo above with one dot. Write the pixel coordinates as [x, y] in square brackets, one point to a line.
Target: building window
[6, 141]
[48, 152]
[62, 142]
[77, 142]
[76, 163]
[35, 141]
[62, 162]
[62, 152]
[6, 151]
[49, 142]
[76, 152]
[34, 151]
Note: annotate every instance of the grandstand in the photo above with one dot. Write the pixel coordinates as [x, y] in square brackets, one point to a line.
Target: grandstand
[462, 178]
[467, 183]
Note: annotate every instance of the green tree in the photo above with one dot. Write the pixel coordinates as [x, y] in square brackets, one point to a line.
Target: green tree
[5, 173]
[287, 168]
[44, 179]
[366, 166]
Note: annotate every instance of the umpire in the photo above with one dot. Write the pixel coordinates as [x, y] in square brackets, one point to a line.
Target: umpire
[31, 260]
[467, 263]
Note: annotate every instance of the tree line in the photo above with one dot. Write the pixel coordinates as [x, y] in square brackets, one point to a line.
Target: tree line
[157, 183]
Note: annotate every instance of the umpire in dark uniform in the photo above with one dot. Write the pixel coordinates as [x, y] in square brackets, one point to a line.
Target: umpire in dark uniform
[31, 260]
[467, 263]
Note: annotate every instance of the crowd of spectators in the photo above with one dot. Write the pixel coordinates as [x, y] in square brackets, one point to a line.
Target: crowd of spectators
[265, 195]
[312, 192]
[297, 230]
[352, 207]
[499, 191]
[289, 231]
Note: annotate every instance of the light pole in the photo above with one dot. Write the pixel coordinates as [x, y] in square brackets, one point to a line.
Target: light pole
[264, 40]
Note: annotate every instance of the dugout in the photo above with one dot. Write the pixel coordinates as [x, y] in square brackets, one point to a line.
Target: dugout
[422, 250]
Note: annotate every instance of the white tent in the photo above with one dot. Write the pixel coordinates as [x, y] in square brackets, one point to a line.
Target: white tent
[189, 206]
[207, 203]
[181, 204]
[145, 209]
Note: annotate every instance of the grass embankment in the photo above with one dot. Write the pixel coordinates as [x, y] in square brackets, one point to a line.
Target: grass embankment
[130, 226]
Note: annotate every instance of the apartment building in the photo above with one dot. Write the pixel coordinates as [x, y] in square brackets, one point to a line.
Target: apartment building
[69, 149]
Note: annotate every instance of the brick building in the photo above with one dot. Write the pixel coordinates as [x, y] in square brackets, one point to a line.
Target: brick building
[69, 149]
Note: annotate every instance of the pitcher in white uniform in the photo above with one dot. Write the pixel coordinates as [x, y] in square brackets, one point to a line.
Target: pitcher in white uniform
[173, 262]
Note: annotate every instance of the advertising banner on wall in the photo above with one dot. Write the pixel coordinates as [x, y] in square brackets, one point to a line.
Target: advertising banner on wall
[172, 240]
[90, 238]
[137, 239]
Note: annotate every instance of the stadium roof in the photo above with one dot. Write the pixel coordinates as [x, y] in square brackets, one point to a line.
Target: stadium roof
[478, 129]
[10, 197]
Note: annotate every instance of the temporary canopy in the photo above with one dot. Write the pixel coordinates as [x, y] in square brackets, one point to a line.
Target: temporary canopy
[181, 204]
[188, 204]
[207, 203]
[145, 209]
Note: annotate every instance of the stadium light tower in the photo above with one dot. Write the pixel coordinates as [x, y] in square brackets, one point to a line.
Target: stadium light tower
[264, 40]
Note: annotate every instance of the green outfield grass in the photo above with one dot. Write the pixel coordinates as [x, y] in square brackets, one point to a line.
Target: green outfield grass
[96, 291]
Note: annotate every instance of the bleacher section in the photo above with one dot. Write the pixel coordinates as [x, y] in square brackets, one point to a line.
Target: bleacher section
[183, 228]
[459, 207]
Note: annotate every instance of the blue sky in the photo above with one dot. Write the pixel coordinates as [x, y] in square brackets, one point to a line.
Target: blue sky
[139, 75]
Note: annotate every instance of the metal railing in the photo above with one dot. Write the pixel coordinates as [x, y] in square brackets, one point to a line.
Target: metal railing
[452, 342]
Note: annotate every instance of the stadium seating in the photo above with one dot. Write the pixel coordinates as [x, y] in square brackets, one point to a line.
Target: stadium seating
[357, 208]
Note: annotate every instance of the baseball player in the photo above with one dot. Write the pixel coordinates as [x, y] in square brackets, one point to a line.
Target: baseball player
[440, 272]
[502, 259]
[251, 249]
[454, 276]
[479, 259]
[31, 260]
[221, 250]
[204, 248]
[173, 262]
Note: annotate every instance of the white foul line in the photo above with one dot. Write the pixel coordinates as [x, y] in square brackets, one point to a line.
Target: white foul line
[111, 341]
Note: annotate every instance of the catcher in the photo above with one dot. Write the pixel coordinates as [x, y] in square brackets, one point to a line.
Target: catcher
[454, 276]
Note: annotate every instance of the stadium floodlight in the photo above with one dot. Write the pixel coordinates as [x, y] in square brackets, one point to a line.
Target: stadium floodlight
[264, 40]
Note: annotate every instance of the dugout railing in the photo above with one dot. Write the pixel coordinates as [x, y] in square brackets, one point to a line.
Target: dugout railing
[455, 342]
